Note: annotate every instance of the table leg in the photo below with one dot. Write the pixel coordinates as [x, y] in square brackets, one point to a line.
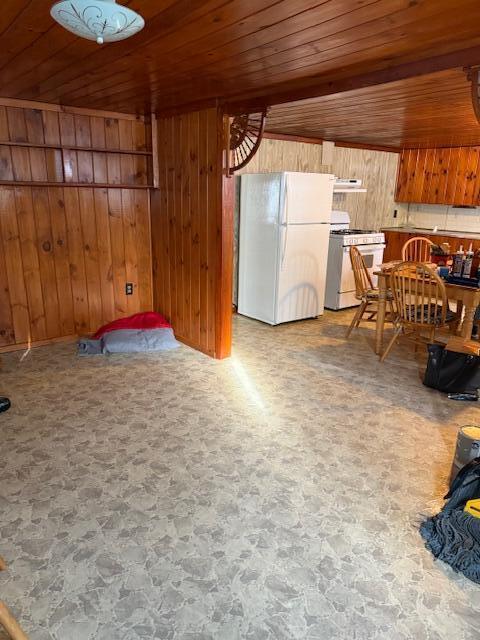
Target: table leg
[467, 324]
[382, 308]
[459, 312]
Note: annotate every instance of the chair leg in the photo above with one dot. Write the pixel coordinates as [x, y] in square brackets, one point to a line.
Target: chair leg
[392, 310]
[391, 343]
[3, 564]
[11, 626]
[356, 319]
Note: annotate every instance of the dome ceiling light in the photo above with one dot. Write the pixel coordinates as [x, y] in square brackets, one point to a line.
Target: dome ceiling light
[99, 20]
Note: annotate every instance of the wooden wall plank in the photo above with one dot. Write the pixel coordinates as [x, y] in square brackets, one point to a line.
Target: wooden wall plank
[204, 230]
[461, 180]
[118, 251]
[402, 176]
[90, 251]
[144, 250]
[77, 261]
[452, 175]
[62, 264]
[471, 177]
[102, 220]
[443, 161]
[171, 139]
[212, 218]
[6, 167]
[7, 334]
[31, 263]
[130, 252]
[179, 228]
[14, 266]
[196, 266]
[160, 228]
[112, 139]
[47, 261]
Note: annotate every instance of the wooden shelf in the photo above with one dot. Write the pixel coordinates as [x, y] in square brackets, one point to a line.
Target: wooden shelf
[89, 185]
[31, 145]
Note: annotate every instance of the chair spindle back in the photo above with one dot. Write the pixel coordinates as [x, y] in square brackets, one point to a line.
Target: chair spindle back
[417, 250]
[363, 281]
[419, 293]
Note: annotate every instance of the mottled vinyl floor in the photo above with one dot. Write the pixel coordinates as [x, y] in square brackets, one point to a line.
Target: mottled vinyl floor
[273, 495]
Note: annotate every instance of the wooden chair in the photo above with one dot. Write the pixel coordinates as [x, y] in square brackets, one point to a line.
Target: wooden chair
[364, 291]
[421, 302]
[417, 250]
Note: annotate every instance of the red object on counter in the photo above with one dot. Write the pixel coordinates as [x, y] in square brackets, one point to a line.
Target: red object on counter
[146, 320]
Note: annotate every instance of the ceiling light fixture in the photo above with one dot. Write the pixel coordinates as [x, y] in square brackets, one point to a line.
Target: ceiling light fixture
[99, 20]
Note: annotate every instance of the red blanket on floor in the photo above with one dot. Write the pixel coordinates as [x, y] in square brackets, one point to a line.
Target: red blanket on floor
[147, 320]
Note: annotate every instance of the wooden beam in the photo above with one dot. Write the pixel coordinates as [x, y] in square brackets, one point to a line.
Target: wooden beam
[271, 135]
[318, 86]
[47, 106]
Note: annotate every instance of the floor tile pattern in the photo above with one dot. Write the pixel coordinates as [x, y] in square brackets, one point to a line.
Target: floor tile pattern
[274, 495]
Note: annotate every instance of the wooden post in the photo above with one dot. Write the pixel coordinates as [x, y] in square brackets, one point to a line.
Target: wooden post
[11, 626]
[225, 207]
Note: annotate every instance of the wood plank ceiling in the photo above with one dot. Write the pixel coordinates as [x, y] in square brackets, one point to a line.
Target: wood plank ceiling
[433, 110]
[194, 52]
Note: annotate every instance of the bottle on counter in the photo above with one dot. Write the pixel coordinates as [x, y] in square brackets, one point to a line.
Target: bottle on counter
[467, 263]
[458, 262]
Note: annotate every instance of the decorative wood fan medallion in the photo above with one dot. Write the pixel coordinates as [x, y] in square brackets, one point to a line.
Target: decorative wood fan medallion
[474, 78]
[246, 133]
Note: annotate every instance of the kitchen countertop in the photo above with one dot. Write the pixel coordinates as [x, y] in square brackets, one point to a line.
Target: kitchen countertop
[440, 232]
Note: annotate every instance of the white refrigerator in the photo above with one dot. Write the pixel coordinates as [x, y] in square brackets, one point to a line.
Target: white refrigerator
[283, 245]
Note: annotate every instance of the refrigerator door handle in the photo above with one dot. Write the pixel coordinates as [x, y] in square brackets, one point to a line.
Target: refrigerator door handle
[284, 249]
[285, 237]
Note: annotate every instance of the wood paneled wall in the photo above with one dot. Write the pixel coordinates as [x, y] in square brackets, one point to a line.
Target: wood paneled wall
[192, 231]
[440, 176]
[66, 252]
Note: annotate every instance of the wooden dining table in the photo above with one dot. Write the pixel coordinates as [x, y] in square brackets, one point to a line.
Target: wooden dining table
[467, 299]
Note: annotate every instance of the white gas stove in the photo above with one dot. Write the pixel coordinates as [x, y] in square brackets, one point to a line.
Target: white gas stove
[340, 288]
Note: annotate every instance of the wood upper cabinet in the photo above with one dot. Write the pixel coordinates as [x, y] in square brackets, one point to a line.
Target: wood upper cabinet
[439, 176]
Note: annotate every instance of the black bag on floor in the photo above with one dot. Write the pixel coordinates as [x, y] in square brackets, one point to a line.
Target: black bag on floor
[452, 372]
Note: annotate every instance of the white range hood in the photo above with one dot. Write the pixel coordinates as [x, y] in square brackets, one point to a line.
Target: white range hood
[348, 185]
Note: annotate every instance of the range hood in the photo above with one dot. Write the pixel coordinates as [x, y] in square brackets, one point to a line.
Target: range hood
[348, 185]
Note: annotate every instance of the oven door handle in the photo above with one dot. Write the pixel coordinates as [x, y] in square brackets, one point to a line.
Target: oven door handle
[368, 247]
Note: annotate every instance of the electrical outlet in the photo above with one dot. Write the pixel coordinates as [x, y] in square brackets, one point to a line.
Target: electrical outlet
[129, 288]
[395, 212]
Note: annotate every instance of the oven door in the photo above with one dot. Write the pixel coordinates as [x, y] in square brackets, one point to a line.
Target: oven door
[373, 256]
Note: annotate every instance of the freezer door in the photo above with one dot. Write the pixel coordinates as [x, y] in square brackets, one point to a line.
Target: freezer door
[302, 272]
[307, 198]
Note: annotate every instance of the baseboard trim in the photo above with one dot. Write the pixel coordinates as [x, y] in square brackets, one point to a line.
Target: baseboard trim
[25, 346]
